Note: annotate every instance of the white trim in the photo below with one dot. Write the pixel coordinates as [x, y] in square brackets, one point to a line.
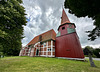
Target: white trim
[35, 45]
[42, 55]
[51, 47]
[43, 50]
[71, 58]
[33, 51]
[51, 56]
[29, 51]
[46, 46]
[48, 55]
[47, 50]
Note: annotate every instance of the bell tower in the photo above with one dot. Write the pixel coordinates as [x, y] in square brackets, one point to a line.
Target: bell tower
[67, 41]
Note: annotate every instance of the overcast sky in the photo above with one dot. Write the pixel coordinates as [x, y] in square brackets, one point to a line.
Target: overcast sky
[43, 15]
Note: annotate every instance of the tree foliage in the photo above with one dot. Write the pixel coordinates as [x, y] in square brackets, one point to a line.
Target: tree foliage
[12, 20]
[95, 52]
[90, 8]
[88, 50]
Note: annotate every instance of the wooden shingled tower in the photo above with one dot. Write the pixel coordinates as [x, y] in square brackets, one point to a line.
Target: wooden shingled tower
[67, 40]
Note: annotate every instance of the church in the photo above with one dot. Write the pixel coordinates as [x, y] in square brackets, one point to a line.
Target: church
[64, 44]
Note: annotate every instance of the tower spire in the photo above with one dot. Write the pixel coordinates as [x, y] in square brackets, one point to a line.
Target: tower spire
[64, 18]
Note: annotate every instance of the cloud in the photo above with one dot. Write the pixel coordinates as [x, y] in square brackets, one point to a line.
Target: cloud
[43, 15]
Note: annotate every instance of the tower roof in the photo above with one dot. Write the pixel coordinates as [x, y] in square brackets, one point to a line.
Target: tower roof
[64, 18]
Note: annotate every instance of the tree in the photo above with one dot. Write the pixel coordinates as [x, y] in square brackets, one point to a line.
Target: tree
[85, 50]
[12, 20]
[90, 8]
[89, 51]
[97, 52]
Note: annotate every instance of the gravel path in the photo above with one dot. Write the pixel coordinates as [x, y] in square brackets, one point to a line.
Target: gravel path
[93, 58]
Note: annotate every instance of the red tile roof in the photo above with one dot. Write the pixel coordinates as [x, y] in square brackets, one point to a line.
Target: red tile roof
[64, 18]
[45, 36]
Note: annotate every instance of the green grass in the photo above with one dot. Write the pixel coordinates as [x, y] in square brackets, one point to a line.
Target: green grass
[41, 64]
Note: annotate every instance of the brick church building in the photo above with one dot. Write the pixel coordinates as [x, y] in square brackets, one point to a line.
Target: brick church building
[49, 44]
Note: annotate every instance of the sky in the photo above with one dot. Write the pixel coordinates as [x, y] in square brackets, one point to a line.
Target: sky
[43, 15]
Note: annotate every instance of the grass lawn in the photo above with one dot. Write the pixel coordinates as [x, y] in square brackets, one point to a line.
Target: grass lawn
[41, 64]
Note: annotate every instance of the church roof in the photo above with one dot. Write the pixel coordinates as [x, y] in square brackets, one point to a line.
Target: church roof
[64, 18]
[45, 36]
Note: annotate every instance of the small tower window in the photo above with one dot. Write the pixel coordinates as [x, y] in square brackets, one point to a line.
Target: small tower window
[63, 28]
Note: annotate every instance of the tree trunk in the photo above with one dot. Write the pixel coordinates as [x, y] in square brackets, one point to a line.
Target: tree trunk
[91, 61]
